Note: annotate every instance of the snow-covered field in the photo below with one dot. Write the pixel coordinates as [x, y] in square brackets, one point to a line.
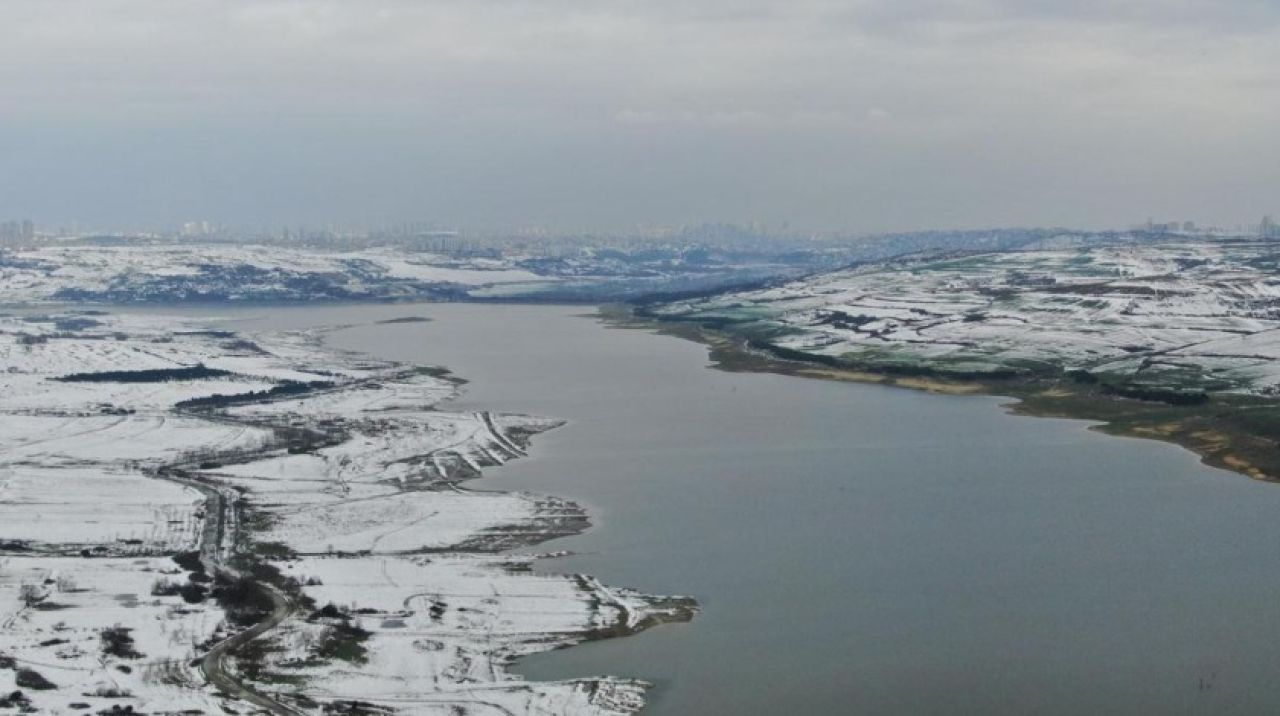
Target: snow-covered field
[442, 628]
[1190, 314]
[131, 445]
[53, 615]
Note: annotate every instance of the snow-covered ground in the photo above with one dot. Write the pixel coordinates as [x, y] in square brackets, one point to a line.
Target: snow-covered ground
[53, 615]
[1188, 314]
[129, 440]
[442, 629]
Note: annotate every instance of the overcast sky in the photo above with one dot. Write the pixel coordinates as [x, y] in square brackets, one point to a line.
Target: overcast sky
[864, 115]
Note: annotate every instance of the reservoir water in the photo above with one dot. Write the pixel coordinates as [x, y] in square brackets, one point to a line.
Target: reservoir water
[861, 549]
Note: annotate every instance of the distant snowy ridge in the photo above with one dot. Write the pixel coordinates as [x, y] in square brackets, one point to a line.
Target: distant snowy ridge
[166, 273]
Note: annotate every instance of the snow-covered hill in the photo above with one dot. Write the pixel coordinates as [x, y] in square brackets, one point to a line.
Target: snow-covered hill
[165, 273]
[1194, 315]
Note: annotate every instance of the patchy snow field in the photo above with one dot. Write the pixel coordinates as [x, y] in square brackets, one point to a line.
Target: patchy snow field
[1189, 314]
[53, 615]
[442, 629]
[130, 444]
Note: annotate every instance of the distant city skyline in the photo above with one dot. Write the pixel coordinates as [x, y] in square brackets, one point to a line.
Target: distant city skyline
[27, 232]
[862, 117]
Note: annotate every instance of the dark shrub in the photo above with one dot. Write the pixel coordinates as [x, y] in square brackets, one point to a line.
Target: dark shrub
[189, 561]
[245, 601]
[28, 679]
[116, 641]
[193, 593]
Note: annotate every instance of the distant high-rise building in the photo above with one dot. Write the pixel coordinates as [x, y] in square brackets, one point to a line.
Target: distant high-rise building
[1268, 229]
[17, 233]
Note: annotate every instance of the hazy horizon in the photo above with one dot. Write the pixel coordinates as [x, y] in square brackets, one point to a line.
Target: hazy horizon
[863, 116]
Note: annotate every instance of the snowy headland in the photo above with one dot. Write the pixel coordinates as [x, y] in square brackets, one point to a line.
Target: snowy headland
[199, 521]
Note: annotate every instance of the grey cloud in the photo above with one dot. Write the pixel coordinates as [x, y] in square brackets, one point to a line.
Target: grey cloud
[859, 114]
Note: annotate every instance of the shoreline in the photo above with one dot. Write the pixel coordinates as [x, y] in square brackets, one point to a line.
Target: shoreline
[1230, 432]
[506, 547]
[314, 529]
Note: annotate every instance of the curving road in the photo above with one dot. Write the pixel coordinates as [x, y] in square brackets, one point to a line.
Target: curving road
[214, 668]
[219, 518]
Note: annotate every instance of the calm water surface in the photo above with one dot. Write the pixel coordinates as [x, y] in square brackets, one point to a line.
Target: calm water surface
[860, 549]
